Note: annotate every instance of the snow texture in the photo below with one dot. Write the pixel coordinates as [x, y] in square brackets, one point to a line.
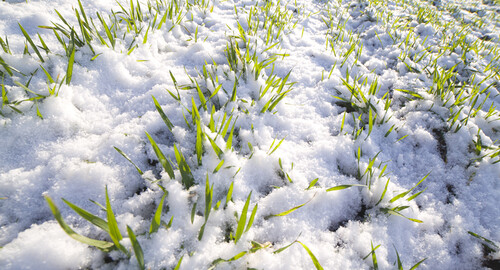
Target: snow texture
[332, 127]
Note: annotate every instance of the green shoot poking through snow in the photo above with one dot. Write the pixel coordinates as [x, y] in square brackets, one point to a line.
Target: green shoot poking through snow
[242, 220]
[102, 245]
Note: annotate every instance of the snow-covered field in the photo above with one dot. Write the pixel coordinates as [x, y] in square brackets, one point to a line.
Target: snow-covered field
[249, 134]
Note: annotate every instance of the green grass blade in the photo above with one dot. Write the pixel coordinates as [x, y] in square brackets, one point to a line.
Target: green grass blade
[399, 196]
[242, 220]
[163, 20]
[211, 124]
[178, 266]
[483, 239]
[114, 232]
[193, 212]
[139, 255]
[383, 193]
[411, 93]
[5, 45]
[395, 213]
[47, 74]
[161, 157]
[69, 70]
[417, 264]
[99, 222]
[229, 142]
[374, 258]
[129, 160]
[38, 113]
[371, 252]
[252, 217]
[146, 35]
[155, 223]
[400, 265]
[229, 194]
[402, 138]
[187, 176]
[209, 191]
[290, 210]
[28, 90]
[215, 91]
[62, 18]
[312, 183]
[30, 41]
[284, 248]
[340, 187]
[95, 57]
[220, 260]
[169, 224]
[313, 258]
[208, 206]
[408, 191]
[370, 122]
[421, 180]
[216, 148]
[199, 141]
[163, 115]
[278, 145]
[44, 46]
[83, 13]
[223, 128]
[5, 99]
[6, 67]
[202, 231]
[107, 30]
[100, 206]
[218, 166]
[201, 96]
[195, 114]
[278, 100]
[416, 195]
[233, 95]
[102, 245]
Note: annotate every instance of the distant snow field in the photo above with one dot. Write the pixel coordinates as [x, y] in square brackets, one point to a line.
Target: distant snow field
[208, 134]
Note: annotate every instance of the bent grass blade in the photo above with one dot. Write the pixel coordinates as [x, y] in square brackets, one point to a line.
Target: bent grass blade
[99, 222]
[340, 187]
[102, 245]
[311, 254]
[488, 241]
[397, 213]
[401, 195]
[284, 213]
[313, 258]
[129, 160]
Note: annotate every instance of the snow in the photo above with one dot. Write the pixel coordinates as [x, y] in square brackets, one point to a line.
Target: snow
[70, 153]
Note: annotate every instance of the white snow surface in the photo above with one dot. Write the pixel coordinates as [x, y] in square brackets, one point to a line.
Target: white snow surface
[70, 152]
